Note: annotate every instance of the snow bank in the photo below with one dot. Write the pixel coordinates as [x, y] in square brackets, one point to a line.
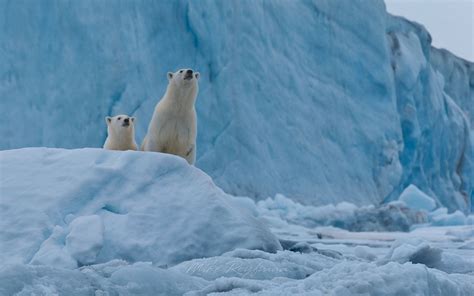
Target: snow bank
[69, 208]
[340, 113]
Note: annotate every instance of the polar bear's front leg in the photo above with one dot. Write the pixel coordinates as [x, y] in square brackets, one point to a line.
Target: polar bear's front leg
[144, 143]
[191, 155]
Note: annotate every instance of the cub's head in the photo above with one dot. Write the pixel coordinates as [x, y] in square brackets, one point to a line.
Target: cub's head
[120, 124]
[183, 78]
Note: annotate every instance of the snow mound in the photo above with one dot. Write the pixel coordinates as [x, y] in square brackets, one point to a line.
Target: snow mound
[416, 199]
[68, 208]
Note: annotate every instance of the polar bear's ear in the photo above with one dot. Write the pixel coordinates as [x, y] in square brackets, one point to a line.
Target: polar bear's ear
[170, 75]
[197, 75]
[108, 119]
[132, 119]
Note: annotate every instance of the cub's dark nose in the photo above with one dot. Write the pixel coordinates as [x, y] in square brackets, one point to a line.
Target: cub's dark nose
[126, 120]
[189, 72]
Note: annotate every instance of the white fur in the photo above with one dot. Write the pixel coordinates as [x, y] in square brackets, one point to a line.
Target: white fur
[120, 136]
[172, 128]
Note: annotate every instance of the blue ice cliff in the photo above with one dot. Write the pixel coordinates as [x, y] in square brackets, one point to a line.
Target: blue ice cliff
[322, 101]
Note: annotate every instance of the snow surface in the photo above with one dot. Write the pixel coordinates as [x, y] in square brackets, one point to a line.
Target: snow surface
[322, 101]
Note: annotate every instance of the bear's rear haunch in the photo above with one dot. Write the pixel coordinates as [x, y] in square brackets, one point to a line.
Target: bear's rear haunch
[172, 128]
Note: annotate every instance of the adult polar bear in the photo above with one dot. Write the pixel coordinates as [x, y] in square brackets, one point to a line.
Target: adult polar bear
[172, 128]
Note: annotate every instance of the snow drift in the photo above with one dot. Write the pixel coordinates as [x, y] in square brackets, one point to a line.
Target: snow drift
[322, 101]
[69, 208]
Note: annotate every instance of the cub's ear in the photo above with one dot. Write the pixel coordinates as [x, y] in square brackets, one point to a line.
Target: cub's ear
[197, 75]
[132, 119]
[170, 75]
[108, 119]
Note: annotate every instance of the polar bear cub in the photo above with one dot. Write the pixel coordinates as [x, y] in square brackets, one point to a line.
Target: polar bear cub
[172, 128]
[120, 133]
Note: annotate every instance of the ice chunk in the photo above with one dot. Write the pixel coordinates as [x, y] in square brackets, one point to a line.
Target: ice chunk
[456, 218]
[469, 245]
[52, 251]
[85, 239]
[365, 252]
[416, 199]
[414, 251]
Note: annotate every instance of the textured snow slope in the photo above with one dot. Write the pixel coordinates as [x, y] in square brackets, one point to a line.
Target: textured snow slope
[311, 99]
[68, 208]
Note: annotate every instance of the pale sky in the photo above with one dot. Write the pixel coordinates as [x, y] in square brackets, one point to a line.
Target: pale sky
[450, 22]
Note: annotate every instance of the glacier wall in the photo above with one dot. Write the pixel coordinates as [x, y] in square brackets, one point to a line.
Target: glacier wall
[323, 101]
[437, 151]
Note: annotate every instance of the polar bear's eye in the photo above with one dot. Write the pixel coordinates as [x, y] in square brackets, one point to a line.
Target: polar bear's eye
[119, 118]
[181, 71]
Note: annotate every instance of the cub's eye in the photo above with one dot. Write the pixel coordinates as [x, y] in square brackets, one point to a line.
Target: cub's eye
[119, 118]
[181, 71]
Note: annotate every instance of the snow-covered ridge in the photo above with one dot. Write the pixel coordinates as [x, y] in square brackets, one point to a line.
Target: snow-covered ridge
[322, 101]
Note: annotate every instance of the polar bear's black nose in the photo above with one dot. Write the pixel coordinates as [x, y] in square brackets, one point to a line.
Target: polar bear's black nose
[126, 120]
[189, 71]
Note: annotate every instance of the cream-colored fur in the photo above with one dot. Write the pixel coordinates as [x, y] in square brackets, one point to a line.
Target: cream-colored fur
[172, 128]
[121, 133]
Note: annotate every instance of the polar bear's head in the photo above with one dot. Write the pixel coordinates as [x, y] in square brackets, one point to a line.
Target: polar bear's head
[184, 78]
[120, 125]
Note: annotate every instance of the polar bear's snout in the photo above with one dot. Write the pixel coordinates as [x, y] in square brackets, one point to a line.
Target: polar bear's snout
[126, 122]
[188, 75]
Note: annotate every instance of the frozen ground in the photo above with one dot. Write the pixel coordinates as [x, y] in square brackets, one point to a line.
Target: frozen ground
[97, 222]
